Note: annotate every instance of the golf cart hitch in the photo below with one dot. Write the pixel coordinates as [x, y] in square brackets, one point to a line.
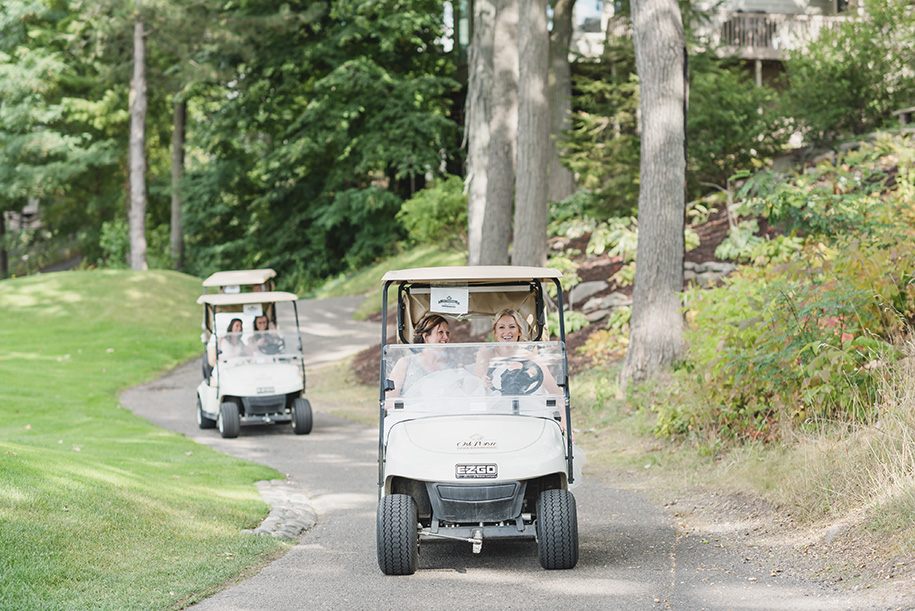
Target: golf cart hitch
[476, 539]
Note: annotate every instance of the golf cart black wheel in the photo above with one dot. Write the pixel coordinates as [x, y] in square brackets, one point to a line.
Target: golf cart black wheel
[397, 535]
[228, 422]
[202, 420]
[302, 419]
[557, 530]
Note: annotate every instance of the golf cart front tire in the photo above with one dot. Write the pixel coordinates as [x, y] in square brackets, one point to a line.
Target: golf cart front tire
[228, 422]
[397, 535]
[302, 418]
[557, 530]
[202, 420]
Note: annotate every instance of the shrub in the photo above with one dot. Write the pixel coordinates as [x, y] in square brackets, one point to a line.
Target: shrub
[849, 80]
[437, 214]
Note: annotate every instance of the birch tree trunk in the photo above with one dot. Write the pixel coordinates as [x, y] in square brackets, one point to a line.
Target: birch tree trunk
[137, 149]
[503, 129]
[177, 227]
[479, 110]
[531, 183]
[562, 182]
[656, 327]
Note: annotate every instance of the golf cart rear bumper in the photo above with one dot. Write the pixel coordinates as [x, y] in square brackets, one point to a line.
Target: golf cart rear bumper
[265, 419]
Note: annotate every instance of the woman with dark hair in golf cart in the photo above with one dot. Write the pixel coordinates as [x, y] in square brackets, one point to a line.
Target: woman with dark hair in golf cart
[431, 329]
[232, 345]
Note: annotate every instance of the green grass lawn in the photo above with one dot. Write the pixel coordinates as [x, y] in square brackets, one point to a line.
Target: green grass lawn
[99, 509]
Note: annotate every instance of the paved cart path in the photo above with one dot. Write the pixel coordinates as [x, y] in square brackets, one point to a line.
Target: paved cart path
[633, 555]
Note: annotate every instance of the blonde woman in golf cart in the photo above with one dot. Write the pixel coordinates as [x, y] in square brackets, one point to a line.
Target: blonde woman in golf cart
[507, 369]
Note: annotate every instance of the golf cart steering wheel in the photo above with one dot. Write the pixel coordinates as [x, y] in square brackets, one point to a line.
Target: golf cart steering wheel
[272, 345]
[522, 380]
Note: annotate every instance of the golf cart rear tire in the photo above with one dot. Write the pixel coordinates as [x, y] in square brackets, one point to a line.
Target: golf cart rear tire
[228, 422]
[557, 530]
[397, 535]
[302, 418]
[202, 420]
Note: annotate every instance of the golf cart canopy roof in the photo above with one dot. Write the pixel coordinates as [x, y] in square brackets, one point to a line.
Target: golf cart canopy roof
[472, 292]
[239, 277]
[472, 273]
[230, 299]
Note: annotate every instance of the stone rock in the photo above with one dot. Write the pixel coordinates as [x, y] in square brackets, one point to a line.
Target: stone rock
[582, 291]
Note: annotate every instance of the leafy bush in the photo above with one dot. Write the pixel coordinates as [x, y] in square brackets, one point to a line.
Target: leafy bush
[849, 80]
[732, 124]
[437, 214]
[812, 337]
[572, 321]
[602, 146]
[114, 242]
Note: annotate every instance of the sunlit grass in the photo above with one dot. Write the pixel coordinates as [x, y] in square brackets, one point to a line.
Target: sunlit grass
[98, 508]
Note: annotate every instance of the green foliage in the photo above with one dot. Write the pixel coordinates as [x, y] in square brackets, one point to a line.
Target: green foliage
[332, 115]
[569, 269]
[828, 199]
[569, 218]
[602, 147]
[573, 321]
[732, 125]
[809, 339]
[114, 242]
[618, 237]
[849, 80]
[437, 214]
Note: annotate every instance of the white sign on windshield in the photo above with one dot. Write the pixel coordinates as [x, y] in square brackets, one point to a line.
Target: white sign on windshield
[448, 300]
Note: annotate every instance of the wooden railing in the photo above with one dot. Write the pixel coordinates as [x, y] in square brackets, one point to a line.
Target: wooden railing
[763, 35]
[748, 35]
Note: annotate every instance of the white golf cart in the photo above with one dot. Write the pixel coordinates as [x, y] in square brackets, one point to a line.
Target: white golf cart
[250, 377]
[478, 448]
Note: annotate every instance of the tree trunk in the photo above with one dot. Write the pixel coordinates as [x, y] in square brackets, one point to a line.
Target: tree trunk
[4, 256]
[503, 129]
[177, 229]
[479, 99]
[532, 181]
[562, 182]
[137, 150]
[656, 327]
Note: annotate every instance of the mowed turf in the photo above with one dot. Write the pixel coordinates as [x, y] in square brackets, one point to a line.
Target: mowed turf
[99, 509]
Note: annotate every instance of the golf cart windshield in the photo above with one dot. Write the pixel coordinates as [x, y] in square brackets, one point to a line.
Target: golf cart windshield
[437, 379]
[259, 347]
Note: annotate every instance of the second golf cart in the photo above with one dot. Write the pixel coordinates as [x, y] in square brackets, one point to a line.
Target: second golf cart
[477, 446]
[250, 375]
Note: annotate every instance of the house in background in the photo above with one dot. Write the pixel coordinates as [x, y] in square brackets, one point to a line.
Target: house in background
[756, 31]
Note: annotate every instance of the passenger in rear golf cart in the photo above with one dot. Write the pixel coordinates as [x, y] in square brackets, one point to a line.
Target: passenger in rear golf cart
[257, 377]
[476, 448]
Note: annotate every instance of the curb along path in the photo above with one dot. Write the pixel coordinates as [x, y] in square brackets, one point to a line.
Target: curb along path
[291, 513]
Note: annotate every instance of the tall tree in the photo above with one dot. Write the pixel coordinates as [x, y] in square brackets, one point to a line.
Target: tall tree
[177, 228]
[656, 326]
[41, 150]
[562, 181]
[531, 182]
[137, 149]
[477, 127]
[503, 130]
